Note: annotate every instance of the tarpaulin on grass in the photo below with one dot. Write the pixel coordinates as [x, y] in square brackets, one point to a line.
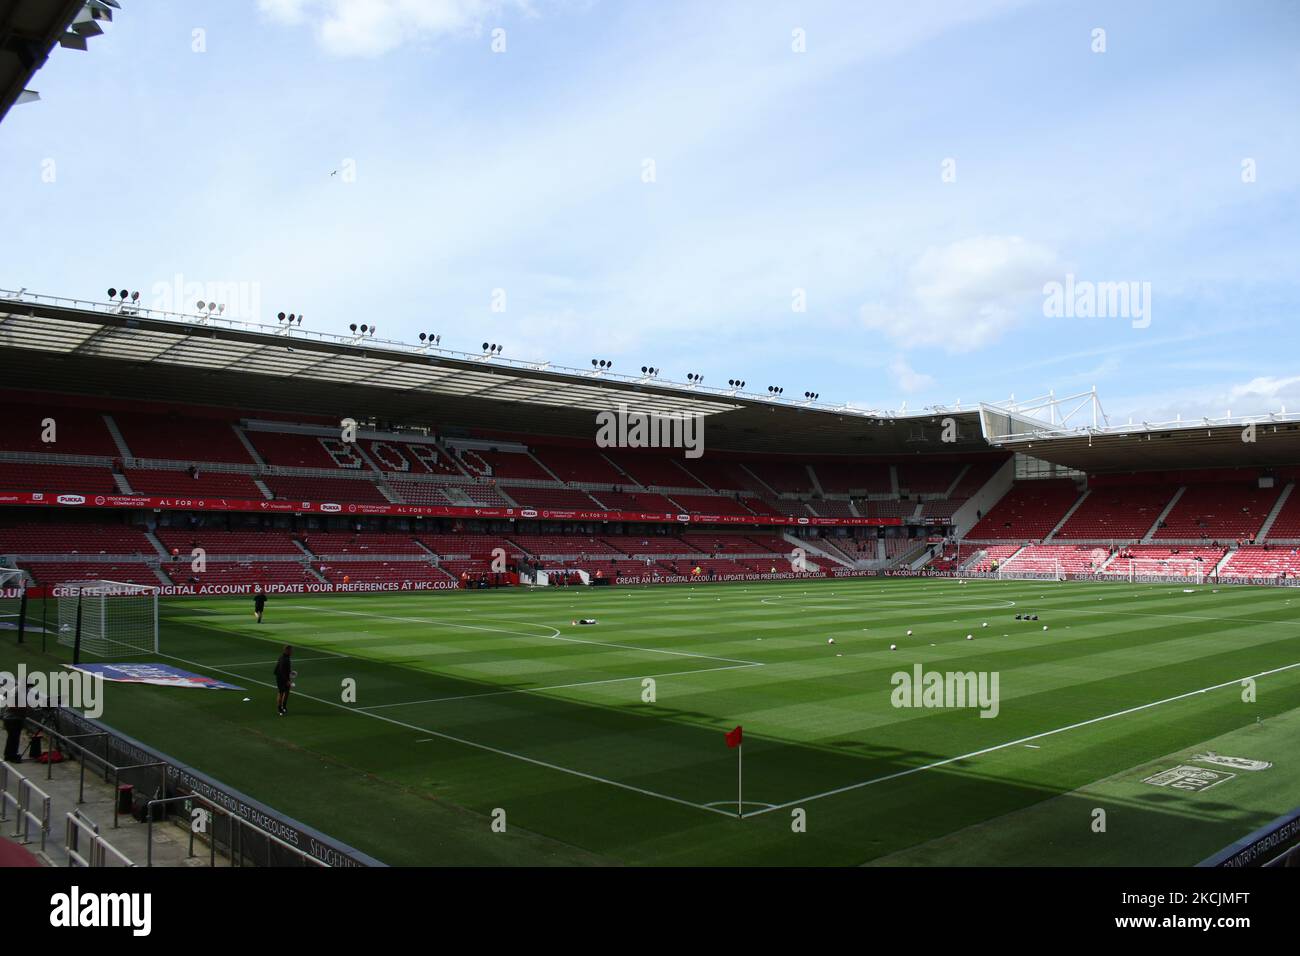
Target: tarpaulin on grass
[164, 675]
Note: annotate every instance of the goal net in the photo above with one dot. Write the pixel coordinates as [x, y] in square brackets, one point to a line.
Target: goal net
[13, 586]
[1160, 569]
[1031, 571]
[113, 618]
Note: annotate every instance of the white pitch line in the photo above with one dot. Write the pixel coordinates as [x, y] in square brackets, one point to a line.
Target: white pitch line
[467, 743]
[1022, 740]
[1064, 611]
[296, 660]
[581, 683]
[548, 637]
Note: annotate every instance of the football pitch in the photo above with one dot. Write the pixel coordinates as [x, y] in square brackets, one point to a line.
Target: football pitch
[420, 719]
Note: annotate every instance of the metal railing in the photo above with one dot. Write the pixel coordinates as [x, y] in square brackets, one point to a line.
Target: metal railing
[235, 842]
[98, 853]
[26, 796]
[112, 771]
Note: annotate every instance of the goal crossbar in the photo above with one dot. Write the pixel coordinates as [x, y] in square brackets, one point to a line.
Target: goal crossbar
[109, 618]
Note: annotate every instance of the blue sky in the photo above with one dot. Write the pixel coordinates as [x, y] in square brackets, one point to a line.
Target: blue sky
[162, 152]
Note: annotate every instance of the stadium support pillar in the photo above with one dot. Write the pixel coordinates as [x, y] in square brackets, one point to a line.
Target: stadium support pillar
[22, 615]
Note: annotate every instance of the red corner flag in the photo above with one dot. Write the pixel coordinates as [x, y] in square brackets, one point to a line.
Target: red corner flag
[733, 737]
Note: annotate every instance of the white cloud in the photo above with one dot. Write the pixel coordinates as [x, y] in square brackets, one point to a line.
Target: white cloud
[374, 27]
[966, 294]
[1265, 394]
[1258, 396]
[907, 378]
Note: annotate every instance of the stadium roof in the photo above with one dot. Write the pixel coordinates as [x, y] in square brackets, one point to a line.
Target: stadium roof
[29, 29]
[119, 349]
[123, 350]
[1219, 443]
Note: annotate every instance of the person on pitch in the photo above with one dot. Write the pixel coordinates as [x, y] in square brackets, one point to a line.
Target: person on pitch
[284, 675]
[259, 605]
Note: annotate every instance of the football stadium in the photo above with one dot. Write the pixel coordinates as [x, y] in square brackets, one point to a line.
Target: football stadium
[299, 594]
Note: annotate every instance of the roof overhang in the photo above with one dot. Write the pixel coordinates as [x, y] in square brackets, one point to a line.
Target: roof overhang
[29, 29]
[122, 350]
[1237, 442]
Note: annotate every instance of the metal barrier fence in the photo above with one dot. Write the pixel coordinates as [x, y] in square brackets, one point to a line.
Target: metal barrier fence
[113, 773]
[249, 832]
[1276, 844]
[26, 796]
[98, 851]
[233, 829]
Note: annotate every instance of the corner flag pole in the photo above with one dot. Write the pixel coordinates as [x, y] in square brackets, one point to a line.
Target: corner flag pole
[735, 738]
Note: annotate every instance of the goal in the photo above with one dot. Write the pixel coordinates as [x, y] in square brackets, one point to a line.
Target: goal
[109, 618]
[1041, 571]
[1174, 569]
[13, 601]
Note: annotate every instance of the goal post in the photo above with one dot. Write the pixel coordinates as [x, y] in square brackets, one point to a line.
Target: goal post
[108, 618]
[1011, 571]
[13, 602]
[1166, 569]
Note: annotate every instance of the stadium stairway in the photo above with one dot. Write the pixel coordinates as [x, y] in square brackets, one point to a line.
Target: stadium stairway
[916, 557]
[252, 452]
[763, 484]
[1149, 537]
[157, 545]
[816, 484]
[122, 448]
[1227, 556]
[1068, 514]
[811, 548]
[951, 491]
[542, 465]
[1267, 526]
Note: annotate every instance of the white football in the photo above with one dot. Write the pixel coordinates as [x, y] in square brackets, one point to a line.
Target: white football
[893, 647]
[969, 638]
[830, 640]
[909, 633]
[1044, 627]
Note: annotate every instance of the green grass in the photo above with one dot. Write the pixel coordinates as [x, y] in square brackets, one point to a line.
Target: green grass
[469, 702]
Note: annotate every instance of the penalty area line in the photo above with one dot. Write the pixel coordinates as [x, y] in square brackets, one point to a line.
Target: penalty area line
[1013, 743]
